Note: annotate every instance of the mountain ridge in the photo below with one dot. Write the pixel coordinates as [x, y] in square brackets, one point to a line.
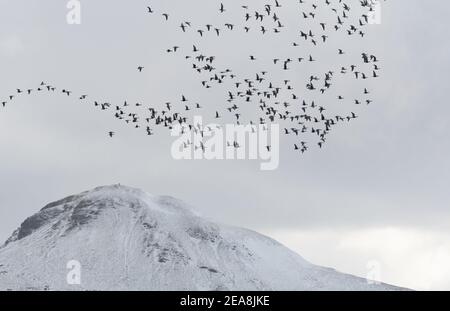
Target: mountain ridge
[127, 239]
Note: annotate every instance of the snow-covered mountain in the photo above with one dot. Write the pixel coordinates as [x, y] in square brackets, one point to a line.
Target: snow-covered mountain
[126, 239]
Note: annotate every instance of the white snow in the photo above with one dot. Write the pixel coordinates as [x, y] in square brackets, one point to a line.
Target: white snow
[126, 239]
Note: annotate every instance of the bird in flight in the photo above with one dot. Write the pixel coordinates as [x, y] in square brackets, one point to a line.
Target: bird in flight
[293, 86]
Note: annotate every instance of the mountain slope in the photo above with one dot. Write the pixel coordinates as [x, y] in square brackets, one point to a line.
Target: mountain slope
[125, 239]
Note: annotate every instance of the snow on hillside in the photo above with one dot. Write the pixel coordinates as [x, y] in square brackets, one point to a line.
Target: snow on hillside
[126, 239]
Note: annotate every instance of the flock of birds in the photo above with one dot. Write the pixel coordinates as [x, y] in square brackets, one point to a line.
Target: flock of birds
[270, 100]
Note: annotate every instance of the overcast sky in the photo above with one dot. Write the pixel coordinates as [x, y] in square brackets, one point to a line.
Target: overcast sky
[377, 192]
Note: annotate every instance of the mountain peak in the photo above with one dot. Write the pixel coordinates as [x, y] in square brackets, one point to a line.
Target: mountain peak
[77, 210]
[126, 239]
